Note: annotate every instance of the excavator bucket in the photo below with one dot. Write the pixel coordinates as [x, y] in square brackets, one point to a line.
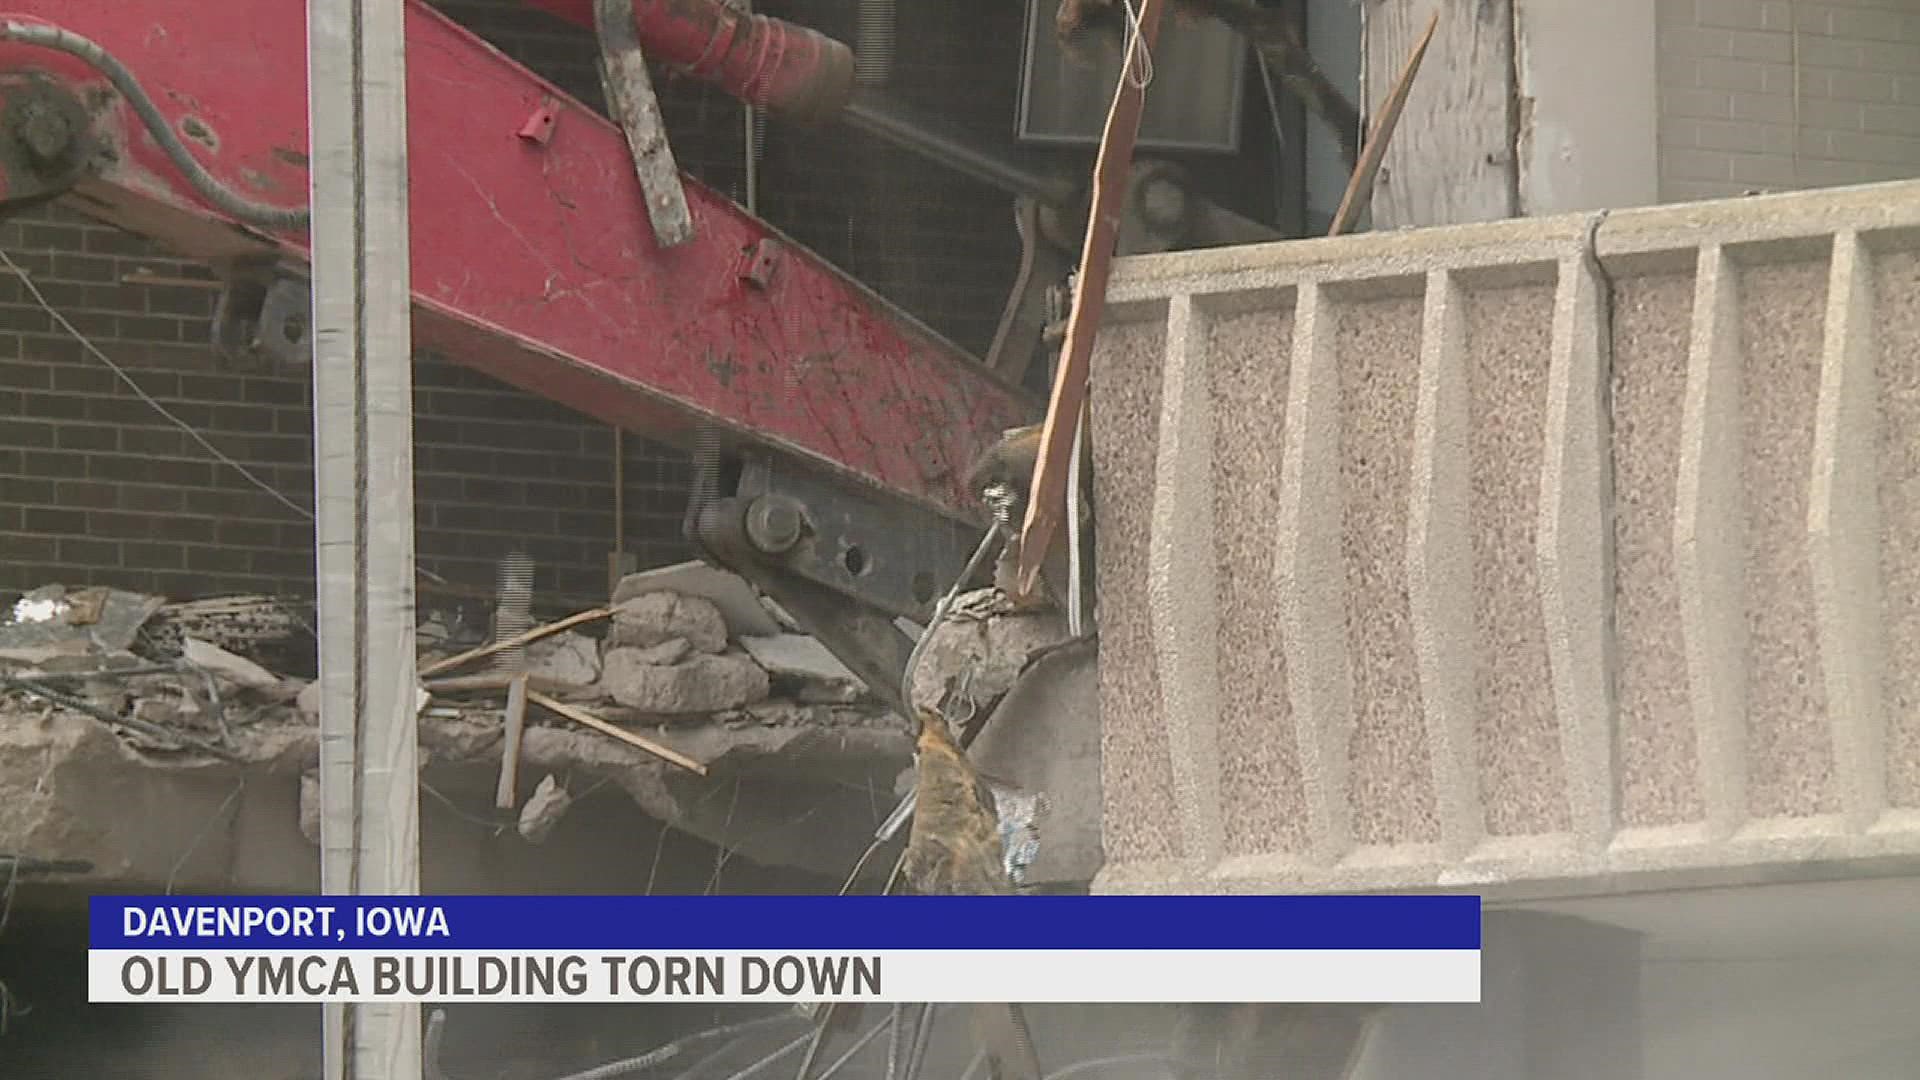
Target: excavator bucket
[1044, 738]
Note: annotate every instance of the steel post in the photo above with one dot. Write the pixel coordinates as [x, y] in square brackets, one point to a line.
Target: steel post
[363, 497]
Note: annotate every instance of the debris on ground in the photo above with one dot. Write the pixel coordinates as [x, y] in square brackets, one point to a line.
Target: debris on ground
[980, 650]
[51, 618]
[652, 693]
[544, 809]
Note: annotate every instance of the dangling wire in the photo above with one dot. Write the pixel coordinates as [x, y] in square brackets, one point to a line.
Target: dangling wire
[1136, 46]
[1076, 557]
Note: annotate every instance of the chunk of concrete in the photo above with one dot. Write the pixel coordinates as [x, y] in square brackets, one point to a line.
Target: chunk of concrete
[654, 617]
[739, 604]
[665, 654]
[570, 658]
[799, 658]
[308, 701]
[986, 643]
[794, 654]
[704, 684]
[310, 807]
[543, 810]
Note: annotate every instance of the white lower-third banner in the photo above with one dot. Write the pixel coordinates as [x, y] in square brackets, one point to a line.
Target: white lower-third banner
[904, 975]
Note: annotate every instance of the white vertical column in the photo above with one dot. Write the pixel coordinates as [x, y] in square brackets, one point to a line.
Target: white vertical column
[1574, 549]
[1312, 578]
[363, 476]
[1843, 526]
[1440, 564]
[1182, 587]
[1710, 542]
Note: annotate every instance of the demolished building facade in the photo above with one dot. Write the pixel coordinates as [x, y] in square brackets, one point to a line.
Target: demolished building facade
[801, 763]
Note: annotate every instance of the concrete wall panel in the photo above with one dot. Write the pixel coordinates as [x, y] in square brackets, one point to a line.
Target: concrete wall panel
[1539, 556]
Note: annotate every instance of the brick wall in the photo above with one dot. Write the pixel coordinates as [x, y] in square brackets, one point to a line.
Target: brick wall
[1782, 94]
[96, 487]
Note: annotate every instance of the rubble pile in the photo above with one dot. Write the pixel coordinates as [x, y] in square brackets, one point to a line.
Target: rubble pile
[686, 683]
[683, 646]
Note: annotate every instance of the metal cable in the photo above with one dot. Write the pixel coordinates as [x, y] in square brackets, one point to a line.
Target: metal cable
[897, 1041]
[858, 1045]
[1090, 1064]
[260, 215]
[922, 1036]
[674, 1049]
[767, 1062]
[121, 373]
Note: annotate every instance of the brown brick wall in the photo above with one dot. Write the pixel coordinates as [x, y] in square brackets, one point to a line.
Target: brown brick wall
[95, 487]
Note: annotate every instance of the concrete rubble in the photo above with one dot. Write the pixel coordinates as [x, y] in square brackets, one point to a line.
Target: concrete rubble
[710, 674]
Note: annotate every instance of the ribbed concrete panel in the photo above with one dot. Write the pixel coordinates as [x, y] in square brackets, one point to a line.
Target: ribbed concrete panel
[1546, 557]
[1895, 389]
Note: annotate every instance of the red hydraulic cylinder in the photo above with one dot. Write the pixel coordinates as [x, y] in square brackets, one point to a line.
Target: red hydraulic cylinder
[763, 61]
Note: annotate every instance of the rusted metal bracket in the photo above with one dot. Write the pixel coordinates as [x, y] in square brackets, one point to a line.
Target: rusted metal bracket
[631, 100]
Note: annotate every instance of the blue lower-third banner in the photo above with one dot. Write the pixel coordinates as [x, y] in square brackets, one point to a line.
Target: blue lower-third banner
[1077, 949]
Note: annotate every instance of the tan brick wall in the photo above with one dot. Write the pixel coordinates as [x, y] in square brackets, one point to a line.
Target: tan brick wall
[1785, 94]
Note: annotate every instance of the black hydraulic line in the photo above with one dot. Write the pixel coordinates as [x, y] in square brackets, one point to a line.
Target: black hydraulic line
[260, 215]
[897, 124]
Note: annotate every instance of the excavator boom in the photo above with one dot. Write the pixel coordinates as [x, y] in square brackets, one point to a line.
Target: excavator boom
[533, 260]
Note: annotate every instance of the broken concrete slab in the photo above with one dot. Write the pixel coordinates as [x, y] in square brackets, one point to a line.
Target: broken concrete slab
[798, 659]
[105, 619]
[791, 787]
[39, 655]
[703, 684]
[654, 617]
[988, 644]
[739, 604]
[237, 670]
[569, 658]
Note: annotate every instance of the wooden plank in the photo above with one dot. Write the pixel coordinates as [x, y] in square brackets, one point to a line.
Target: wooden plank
[1453, 160]
[1360, 185]
[516, 722]
[1048, 497]
[533, 635]
[633, 739]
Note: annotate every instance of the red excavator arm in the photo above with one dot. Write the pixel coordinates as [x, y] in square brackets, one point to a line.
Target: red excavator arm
[534, 262]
